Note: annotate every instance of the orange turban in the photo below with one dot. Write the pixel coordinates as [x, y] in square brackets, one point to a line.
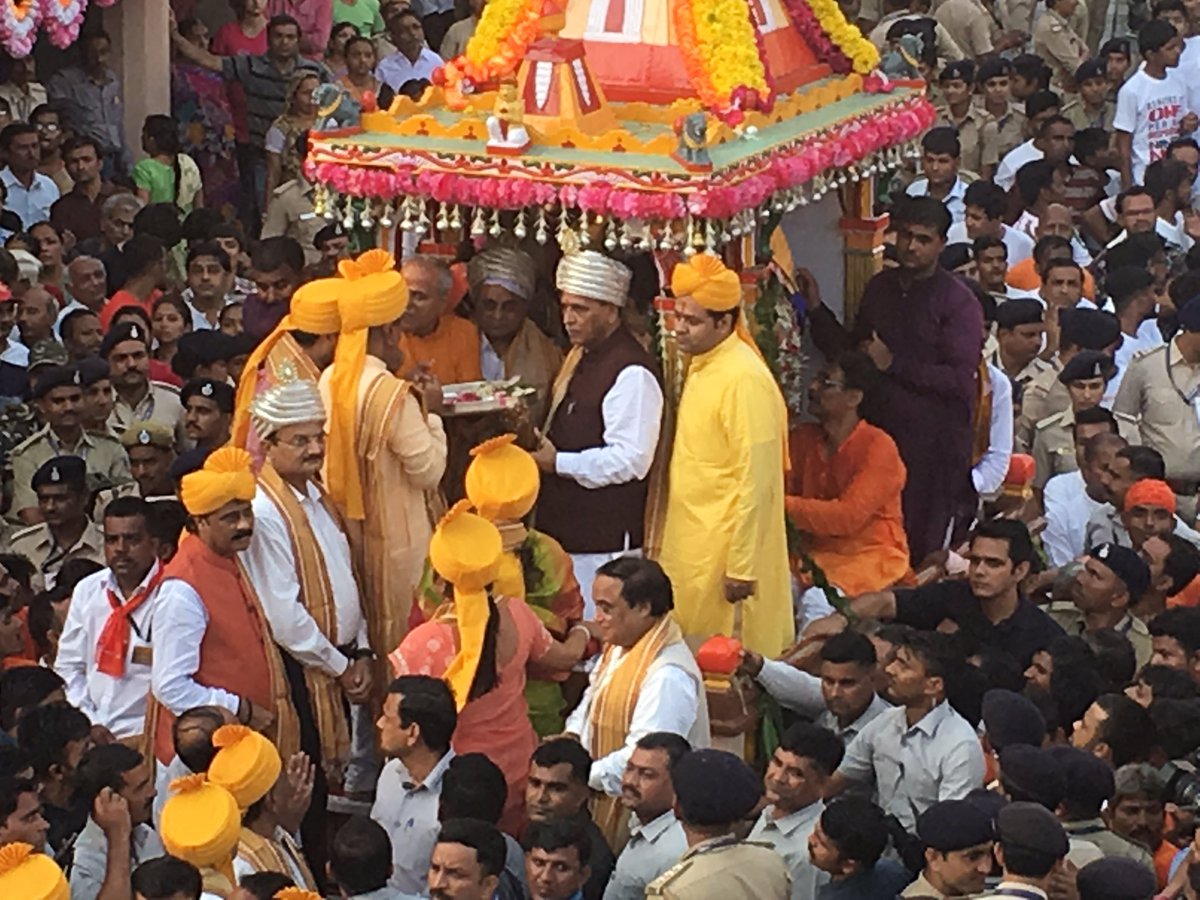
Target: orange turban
[374, 293]
[30, 875]
[314, 309]
[226, 476]
[502, 480]
[1150, 492]
[708, 281]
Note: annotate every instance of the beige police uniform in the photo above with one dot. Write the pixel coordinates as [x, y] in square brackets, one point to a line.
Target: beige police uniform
[104, 457]
[37, 544]
[161, 404]
[1157, 392]
[921, 889]
[970, 25]
[1044, 396]
[1070, 619]
[1082, 117]
[290, 213]
[947, 51]
[978, 137]
[1010, 127]
[726, 868]
[1058, 45]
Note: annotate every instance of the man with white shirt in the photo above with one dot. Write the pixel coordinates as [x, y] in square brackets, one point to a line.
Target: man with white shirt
[1040, 106]
[985, 205]
[646, 659]
[603, 425]
[1134, 299]
[210, 285]
[104, 654]
[656, 839]
[797, 775]
[299, 564]
[1153, 106]
[87, 286]
[1071, 498]
[941, 154]
[30, 194]
[413, 60]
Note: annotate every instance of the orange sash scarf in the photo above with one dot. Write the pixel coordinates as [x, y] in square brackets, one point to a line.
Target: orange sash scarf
[113, 644]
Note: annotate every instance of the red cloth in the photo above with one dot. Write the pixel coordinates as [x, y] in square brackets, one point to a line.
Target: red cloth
[113, 643]
[121, 299]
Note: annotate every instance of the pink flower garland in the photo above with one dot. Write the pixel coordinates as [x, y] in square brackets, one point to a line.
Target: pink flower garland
[61, 20]
[842, 146]
[815, 36]
[19, 20]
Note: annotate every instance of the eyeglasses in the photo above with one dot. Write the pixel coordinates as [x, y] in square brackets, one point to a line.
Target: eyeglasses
[47, 126]
[303, 441]
[831, 384]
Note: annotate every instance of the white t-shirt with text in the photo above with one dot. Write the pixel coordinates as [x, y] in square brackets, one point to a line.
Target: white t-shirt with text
[1150, 109]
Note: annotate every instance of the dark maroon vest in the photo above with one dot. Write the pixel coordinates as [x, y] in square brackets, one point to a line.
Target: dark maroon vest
[601, 520]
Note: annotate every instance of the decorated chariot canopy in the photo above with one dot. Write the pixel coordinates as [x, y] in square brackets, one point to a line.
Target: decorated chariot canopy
[655, 124]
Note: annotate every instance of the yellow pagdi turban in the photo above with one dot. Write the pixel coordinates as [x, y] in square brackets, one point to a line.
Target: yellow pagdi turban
[314, 309]
[374, 293]
[708, 281]
[502, 480]
[30, 875]
[466, 551]
[226, 476]
[246, 764]
[295, 893]
[201, 824]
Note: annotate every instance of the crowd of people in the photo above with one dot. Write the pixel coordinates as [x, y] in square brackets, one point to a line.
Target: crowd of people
[276, 623]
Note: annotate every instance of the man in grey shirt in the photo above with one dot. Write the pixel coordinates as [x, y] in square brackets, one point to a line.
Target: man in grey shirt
[360, 860]
[92, 102]
[117, 784]
[656, 839]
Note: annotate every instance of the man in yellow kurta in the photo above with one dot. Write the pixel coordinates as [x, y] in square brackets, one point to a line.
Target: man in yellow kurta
[724, 539]
[385, 451]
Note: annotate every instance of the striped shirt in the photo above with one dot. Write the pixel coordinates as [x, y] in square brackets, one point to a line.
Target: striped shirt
[266, 88]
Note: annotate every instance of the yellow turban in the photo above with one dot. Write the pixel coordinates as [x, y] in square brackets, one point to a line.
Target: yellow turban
[226, 476]
[716, 287]
[502, 480]
[466, 551]
[295, 893]
[247, 764]
[374, 293]
[30, 875]
[201, 824]
[314, 309]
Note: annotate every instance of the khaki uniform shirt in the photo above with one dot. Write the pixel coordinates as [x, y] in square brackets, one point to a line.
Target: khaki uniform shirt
[921, 888]
[161, 404]
[1010, 128]
[725, 868]
[104, 456]
[1081, 117]
[1062, 48]
[36, 544]
[1044, 396]
[290, 213]
[970, 25]
[1054, 445]
[1163, 402]
[1070, 619]
[947, 50]
[978, 136]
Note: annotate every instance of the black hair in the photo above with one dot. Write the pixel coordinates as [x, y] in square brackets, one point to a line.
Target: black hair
[988, 196]
[643, 582]
[675, 746]
[812, 742]
[986, 242]
[1090, 141]
[1155, 35]
[280, 252]
[104, 767]
[1144, 462]
[1032, 67]
[265, 885]
[1166, 683]
[1177, 724]
[472, 787]
[1027, 862]
[127, 508]
[77, 141]
[1033, 178]
[1115, 659]
[15, 130]
[161, 220]
[1014, 533]
[24, 688]
[165, 878]
[44, 732]
[209, 248]
[559, 834]
[924, 211]
[1127, 729]
[1040, 101]
[858, 371]
[1180, 623]
[942, 141]
[196, 752]
[1051, 121]
[935, 650]
[164, 131]
[11, 790]
[165, 523]
[357, 39]
[849, 647]
[557, 751]
[429, 703]
[140, 253]
[228, 230]
[1095, 415]
[1163, 176]
[482, 837]
[13, 761]
[66, 328]
[1182, 564]
[281, 20]
[360, 857]
[1051, 243]
[858, 828]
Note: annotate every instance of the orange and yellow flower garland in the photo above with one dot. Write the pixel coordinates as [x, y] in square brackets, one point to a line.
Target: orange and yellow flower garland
[503, 35]
[845, 36]
[719, 49]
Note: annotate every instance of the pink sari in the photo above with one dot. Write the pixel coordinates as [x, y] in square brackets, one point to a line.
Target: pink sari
[496, 724]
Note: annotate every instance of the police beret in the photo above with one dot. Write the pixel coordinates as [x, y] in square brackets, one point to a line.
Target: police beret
[1116, 878]
[1091, 329]
[1032, 773]
[1189, 315]
[1011, 718]
[1033, 827]
[328, 233]
[219, 392]
[714, 787]
[207, 347]
[989, 802]
[1019, 311]
[954, 825]
[189, 461]
[47, 353]
[66, 470]
[962, 70]
[1091, 68]
[126, 331]
[55, 377]
[92, 369]
[1089, 778]
[955, 255]
[1088, 364]
[241, 344]
[148, 434]
[992, 67]
[1125, 281]
[1126, 565]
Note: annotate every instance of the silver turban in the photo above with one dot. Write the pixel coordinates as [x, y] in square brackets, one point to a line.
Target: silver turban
[509, 268]
[587, 273]
[290, 402]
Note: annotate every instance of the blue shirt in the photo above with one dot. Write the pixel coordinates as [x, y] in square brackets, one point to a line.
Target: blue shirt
[885, 880]
[31, 204]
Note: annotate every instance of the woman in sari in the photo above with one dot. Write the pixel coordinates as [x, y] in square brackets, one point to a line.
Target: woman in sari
[200, 104]
[335, 51]
[283, 156]
[360, 73]
[481, 643]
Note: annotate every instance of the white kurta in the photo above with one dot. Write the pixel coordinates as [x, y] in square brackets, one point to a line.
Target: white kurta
[119, 704]
[180, 620]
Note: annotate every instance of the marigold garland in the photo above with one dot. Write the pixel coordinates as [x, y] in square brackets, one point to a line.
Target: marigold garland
[721, 53]
[503, 35]
[844, 35]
